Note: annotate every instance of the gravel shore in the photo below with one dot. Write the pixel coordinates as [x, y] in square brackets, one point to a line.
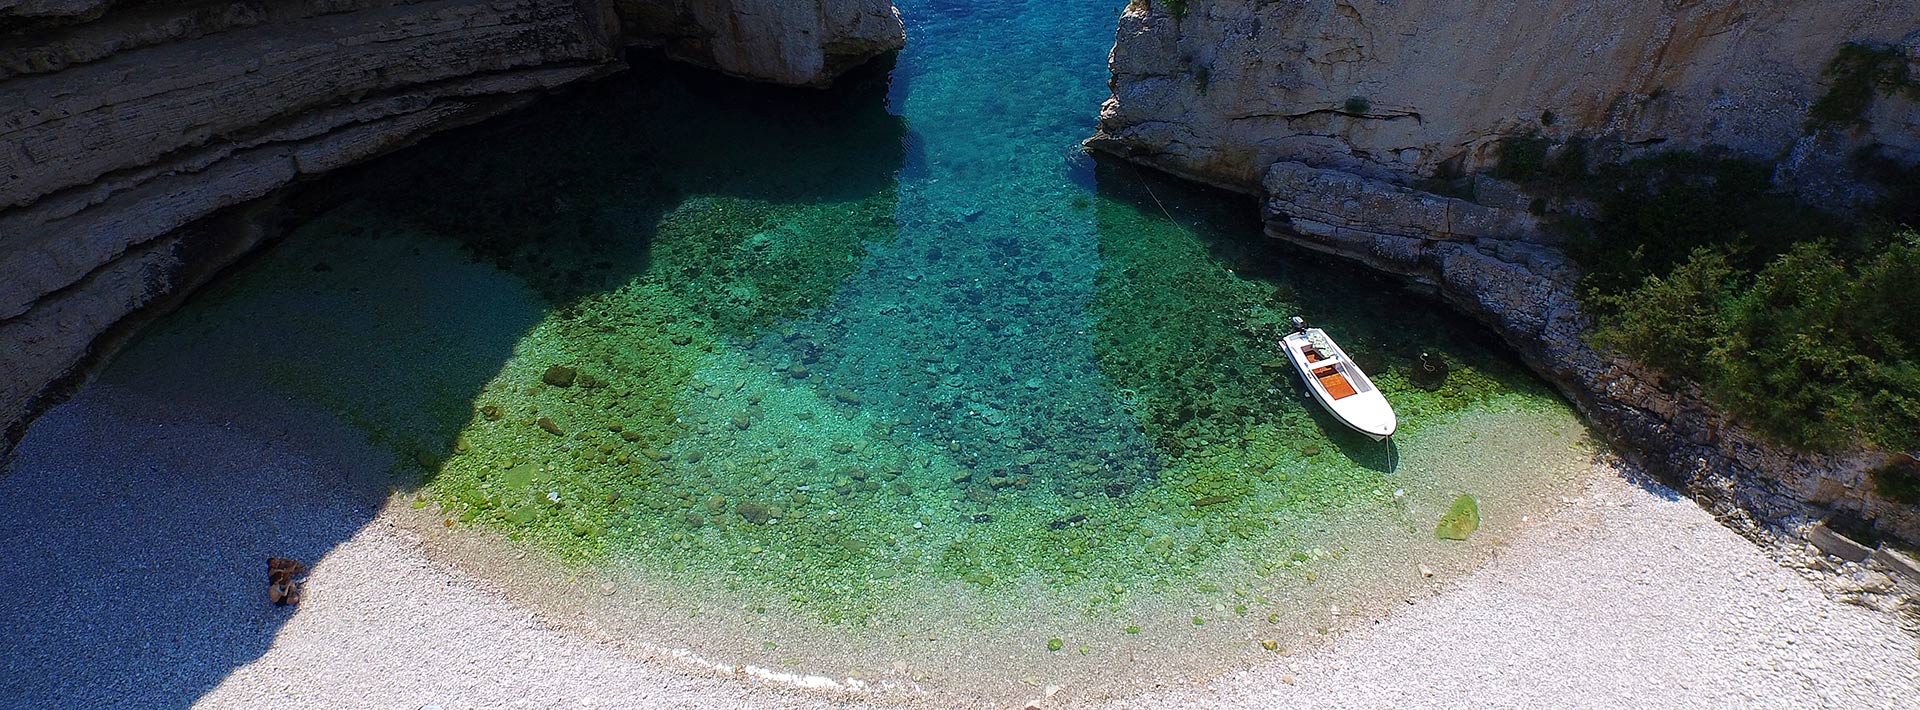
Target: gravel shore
[134, 525]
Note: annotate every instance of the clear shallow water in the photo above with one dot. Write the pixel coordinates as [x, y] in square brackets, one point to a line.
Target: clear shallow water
[889, 381]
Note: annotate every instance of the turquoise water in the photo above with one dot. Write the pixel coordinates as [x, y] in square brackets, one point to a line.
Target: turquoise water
[832, 371]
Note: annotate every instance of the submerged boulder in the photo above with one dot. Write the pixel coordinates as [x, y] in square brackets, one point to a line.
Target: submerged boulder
[758, 513]
[559, 376]
[1460, 521]
[1429, 372]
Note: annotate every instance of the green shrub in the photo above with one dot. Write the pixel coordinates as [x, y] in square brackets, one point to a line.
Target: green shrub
[1815, 351]
[1858, 72]
[1898, 481]
[1658, 209]
[1781, 362]
[1673, 321]
[1522, 158]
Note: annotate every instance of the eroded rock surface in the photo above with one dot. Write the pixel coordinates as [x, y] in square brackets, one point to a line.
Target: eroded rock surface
[141, 144]
[1415, 88]
[1335, 110]
[802, 43]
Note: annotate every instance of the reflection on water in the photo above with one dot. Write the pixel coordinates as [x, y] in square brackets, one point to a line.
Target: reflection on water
[882, 377]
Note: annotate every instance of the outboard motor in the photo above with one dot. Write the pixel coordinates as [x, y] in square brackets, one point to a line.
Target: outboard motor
[1299, 324]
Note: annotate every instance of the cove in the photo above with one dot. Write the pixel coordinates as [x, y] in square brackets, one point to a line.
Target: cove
[888, 383]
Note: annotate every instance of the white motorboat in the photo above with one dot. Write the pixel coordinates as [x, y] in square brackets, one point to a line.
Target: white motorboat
[1338, 383]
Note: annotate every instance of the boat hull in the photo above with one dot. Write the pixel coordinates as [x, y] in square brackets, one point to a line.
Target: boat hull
[1340, 386]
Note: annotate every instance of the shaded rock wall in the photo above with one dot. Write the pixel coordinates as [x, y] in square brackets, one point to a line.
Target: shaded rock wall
[1334, 109]
[129, 132]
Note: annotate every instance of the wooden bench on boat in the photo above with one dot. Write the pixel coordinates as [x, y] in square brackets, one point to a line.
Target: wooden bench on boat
[1337, 385]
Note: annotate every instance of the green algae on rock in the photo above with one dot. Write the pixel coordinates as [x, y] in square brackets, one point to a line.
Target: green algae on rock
[1462, 518]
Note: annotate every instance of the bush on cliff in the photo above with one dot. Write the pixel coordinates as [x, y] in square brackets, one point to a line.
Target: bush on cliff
[1816, 350]
[1857, 73]
[1659, 209]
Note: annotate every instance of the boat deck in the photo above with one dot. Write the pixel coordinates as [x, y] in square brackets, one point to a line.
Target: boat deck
[1337, 385]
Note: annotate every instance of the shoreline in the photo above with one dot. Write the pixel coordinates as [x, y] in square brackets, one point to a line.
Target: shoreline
[1620, 581]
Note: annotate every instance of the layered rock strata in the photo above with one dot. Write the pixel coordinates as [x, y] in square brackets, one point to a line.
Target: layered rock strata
[1334, 110]
[141, 143]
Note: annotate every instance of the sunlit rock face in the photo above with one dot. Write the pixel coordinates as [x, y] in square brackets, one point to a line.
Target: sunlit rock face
[126, 130]
[1428, 87]
[1340, 112]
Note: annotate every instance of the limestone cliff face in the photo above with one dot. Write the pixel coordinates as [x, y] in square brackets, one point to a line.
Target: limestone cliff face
[801, 43]
[141, 143]
[1405, 88]
[1333, 109]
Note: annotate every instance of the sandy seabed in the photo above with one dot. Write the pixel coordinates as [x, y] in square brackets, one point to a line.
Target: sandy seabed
[134, 522]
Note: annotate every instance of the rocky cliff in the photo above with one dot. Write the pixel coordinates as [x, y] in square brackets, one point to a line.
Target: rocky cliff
[141, 142]
[1336, 110]
[802, 43]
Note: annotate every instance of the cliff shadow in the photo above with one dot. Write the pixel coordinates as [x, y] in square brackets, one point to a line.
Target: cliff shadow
[276, 412]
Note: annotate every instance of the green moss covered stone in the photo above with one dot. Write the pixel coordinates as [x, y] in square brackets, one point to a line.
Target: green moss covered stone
[1460, 521]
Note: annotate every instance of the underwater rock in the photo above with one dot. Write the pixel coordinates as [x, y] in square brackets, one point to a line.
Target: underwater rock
[552, 428]
[1310, 450]
[741, 422]
[798, 371]
[1210, 500]
[490, 412]
[757, 513]
[520, 476]
[1460, 521]
[559, 376]
[695, 456]
[1067, 522]
[1428, 373]
[682, 339]
[847, 397]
